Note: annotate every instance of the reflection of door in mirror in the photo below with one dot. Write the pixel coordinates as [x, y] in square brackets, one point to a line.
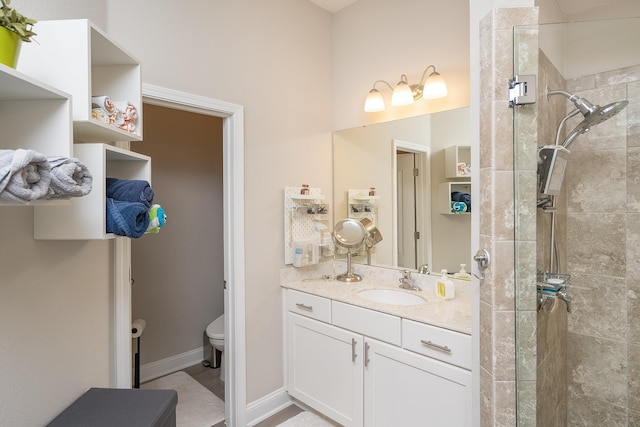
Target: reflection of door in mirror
[406, 211]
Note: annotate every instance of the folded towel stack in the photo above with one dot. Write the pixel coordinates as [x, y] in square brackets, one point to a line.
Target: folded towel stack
[122, 114]
[130, 208]
[26, 175]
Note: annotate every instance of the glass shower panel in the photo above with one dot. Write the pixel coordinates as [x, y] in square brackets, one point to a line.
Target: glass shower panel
[580, 367]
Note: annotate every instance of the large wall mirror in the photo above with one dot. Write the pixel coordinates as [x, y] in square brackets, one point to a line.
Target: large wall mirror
[374, 178]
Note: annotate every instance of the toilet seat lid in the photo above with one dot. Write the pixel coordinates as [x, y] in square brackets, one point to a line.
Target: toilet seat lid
[216, 328]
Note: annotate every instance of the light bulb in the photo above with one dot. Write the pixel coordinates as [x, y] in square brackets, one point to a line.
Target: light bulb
[434, 87]
[374, 102]
[402, 94]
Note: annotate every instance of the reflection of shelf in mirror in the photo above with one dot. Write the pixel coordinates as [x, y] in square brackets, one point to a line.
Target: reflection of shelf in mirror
[445, 190]
[457, 161]
[362, 208]
[366, 197]
[311, 209]
[308, 197]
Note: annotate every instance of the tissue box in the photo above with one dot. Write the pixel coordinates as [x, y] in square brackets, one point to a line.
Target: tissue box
[109, 407]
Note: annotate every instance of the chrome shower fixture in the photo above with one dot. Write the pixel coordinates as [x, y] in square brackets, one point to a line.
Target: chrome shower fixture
[593, 114]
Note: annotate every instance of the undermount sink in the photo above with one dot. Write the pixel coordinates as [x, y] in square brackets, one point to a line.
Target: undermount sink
[391, 296]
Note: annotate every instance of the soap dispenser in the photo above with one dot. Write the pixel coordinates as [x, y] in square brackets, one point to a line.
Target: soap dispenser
[462, 274]
[445, 288]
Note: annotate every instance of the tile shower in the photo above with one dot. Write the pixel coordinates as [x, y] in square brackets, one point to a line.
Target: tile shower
[587, 369]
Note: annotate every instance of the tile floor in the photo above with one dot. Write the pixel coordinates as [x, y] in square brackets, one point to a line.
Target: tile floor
[210, 378]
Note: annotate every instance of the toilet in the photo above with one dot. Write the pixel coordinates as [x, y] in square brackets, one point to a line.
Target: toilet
[215, 332]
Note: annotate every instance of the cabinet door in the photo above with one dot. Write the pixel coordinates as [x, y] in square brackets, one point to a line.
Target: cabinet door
[404, 389]
[324, 367]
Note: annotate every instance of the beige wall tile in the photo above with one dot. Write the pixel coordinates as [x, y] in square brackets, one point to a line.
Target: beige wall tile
[597, 370]
[597, 243]
[504, 341]
[599, 306]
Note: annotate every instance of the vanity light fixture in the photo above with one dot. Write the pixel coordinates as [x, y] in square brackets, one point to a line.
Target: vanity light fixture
[431, 86]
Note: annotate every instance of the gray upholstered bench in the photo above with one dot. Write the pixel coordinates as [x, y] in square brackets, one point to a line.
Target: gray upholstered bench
[109, 407]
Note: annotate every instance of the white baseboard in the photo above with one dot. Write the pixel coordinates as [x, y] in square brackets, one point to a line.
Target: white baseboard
[150, 371]
[268, 405]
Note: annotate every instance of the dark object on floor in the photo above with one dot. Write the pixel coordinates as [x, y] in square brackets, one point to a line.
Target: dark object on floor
[109, 407]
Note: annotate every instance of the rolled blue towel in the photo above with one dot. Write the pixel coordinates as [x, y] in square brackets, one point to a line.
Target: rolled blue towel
[130, 219]
[458, 207]
[458, 196]
[130, 190]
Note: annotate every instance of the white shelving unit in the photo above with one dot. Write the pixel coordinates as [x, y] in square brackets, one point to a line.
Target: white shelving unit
[77, 57]
[45, 105]
[454, 155]
[445, 190]
[305, 217]
[85, 218]
[362, 205]
[34, 115]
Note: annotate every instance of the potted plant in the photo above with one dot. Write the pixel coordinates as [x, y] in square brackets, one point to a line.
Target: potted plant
[15, 28]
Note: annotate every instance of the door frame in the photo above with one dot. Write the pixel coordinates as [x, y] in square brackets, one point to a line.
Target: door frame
[423, 203]
[234, 260]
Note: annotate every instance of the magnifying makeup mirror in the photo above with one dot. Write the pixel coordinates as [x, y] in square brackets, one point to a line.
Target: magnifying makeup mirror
[371, 238]
[349, 234]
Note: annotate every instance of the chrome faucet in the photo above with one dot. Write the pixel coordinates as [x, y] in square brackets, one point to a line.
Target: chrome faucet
[562, 294]
[405, 281]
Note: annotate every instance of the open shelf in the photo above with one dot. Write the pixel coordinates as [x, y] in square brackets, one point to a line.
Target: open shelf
[455, 155]
[85, 218]
[77, 57]
[445, 190]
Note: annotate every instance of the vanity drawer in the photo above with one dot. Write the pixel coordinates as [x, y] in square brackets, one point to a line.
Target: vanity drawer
[371, 323]
[309, 305]
[438, 343]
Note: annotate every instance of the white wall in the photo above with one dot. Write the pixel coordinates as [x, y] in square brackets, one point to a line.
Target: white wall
[381, 39]
[274, 58]
[54, 320]
[54, 297]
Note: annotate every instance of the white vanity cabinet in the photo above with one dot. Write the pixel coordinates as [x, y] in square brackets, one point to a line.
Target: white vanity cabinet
[325, 368]
[351, 365]
[402, 388]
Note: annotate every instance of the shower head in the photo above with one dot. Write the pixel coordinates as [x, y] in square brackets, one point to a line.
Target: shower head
[593, 114]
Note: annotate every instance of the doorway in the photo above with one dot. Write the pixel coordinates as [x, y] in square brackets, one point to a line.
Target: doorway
[233, 282]
[412, 204]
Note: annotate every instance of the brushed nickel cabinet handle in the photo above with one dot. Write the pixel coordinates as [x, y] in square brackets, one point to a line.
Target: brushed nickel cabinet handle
[353, 350]
[366, 354]
[304, 307]
[436, 346]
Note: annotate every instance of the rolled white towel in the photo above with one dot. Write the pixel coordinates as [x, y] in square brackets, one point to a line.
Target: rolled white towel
[128, 110]
[100, 114]
[25, 175]
[103, 102]
[69, 178]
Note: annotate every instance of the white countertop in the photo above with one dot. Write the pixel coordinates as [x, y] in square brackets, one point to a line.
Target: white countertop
[452, 314]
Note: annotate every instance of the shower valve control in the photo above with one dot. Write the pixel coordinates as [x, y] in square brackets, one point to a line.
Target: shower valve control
[483, 259]
[522, 90]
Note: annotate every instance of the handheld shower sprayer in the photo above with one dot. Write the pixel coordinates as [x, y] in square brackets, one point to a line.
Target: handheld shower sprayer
[593, 114]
